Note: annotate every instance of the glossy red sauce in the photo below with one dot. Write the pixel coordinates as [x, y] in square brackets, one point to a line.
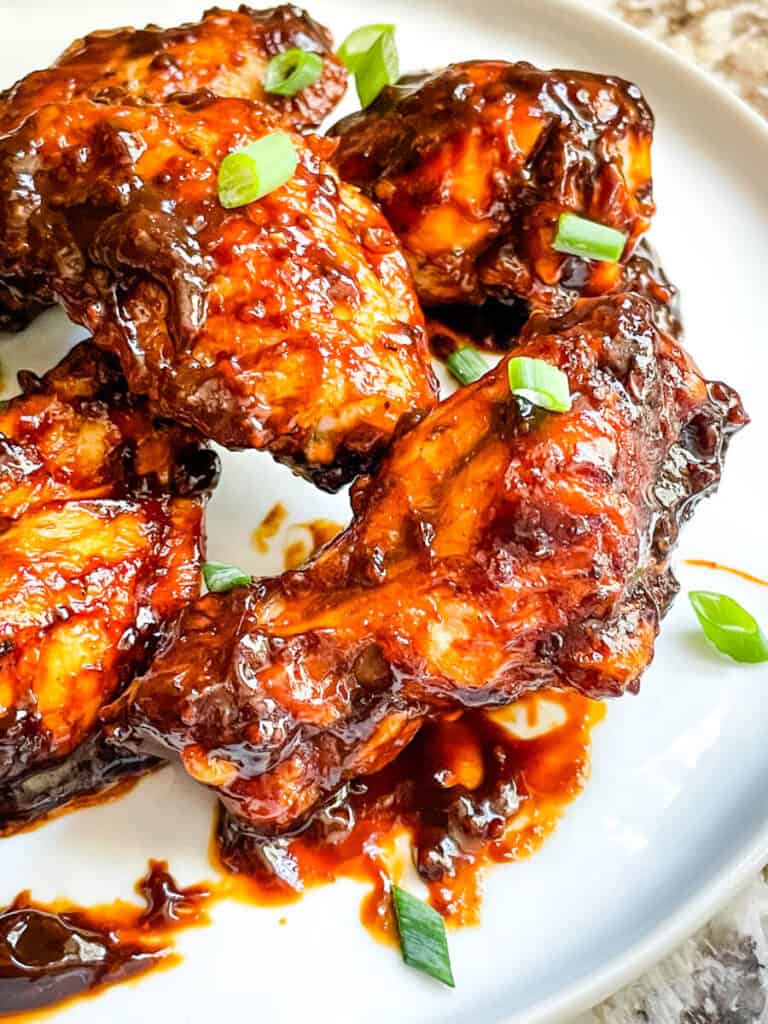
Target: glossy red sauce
[466, 793]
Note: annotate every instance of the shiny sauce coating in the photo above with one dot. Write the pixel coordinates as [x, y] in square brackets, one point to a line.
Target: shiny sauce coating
[469, 791]
[50, 953]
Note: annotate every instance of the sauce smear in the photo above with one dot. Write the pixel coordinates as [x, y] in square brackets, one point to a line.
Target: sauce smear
[467, 792]
[51, 953]
[705, 563]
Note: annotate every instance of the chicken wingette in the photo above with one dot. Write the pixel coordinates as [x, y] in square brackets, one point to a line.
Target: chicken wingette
[100, 545]
[498, 549]
[289, 323]
[226, 53]
[473, 165]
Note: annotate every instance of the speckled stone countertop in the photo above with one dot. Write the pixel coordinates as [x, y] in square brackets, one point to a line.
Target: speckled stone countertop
[720, 975]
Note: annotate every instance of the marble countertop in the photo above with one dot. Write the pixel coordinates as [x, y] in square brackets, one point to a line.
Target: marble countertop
[720, 975]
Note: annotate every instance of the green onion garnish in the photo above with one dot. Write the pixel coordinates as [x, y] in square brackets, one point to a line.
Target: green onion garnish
[248, 174]
[581, 237]
[378, 68]
[291, 71]
[729, 626]
[539, 383]
[422, 936]
[466, 364]
[220, 577]
[358, 43]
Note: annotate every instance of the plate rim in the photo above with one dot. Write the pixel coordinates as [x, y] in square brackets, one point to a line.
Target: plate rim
[620, 971]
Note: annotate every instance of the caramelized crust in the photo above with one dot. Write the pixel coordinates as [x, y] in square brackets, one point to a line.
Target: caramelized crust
[100, 543]
[473, 165]
[288, 324]
[226, 53]
[497, 550]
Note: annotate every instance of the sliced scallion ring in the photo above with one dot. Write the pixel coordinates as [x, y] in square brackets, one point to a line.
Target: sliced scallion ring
[291, 71]
[539, 383]
[220, 577]
[729, 627]
[358, 43]
[467, 365]
[254, 171]
[578, 236]
[422, 936]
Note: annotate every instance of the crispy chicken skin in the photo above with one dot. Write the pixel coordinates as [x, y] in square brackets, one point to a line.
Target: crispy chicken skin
[100, 544]
[498, 549]
[226, 52]
[289, 324]
[473, 165]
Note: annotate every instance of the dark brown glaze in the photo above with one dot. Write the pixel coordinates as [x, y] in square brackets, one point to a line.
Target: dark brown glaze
[226, 53]
[497, 550]
[473, 165]
[100, 544]
[289, 324]
[495, 325]
[467, 793]
[52, 953]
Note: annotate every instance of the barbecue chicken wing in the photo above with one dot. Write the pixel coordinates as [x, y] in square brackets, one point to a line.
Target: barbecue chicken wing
[226, 52]
[100, 543]
[495, 325]
[498, 549]
[473, 165]
[288, 324]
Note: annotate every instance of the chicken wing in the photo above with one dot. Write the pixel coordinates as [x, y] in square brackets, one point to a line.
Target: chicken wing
[100, 544]
[474, 164]
[498, 549]
[289, 324]
[495, 325]
[226, 52]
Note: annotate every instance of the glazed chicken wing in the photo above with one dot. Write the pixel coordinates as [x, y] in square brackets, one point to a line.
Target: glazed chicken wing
[474, 164]
[226, 52]
[498, 549]
[288, 324]
[100, 544]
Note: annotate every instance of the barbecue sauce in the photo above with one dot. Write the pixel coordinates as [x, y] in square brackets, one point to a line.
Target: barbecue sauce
[51, 953]
[465, 793]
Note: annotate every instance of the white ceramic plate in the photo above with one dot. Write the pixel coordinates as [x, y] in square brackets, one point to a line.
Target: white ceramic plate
[675, 816]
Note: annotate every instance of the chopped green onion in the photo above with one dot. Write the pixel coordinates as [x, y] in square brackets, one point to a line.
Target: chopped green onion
[377, 68]
[358, 43]
[422, 936]
[466, 364]
[220, 577]
[539, 383]
[256, 170]
[581, 237]
[291, 71]
[729, 626]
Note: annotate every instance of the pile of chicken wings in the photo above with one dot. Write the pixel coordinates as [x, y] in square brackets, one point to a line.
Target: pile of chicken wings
[495, 547]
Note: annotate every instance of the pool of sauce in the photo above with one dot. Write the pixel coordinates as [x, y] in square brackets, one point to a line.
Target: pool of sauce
[465, 794]
[52, 953]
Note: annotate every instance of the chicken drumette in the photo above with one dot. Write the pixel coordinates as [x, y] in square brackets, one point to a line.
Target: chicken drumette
[498, 549]
[226, 53]
[100, 544]
[288, 324]
[474, 164]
